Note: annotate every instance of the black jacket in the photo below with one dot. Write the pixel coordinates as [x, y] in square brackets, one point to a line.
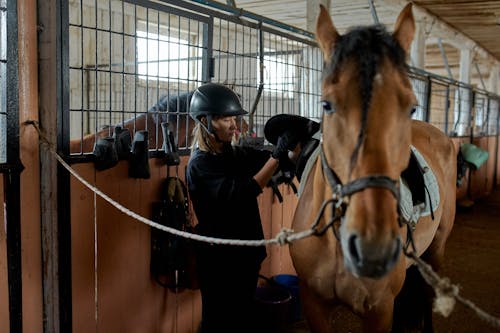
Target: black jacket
[224, 196]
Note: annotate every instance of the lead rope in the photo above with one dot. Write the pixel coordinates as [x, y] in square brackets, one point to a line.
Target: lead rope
[285, 236]
[446, 292]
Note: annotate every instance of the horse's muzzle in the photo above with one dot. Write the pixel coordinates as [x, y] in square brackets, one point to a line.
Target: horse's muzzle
[370, 259]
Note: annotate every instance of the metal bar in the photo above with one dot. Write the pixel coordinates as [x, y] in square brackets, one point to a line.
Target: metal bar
[480, 76]
[239, 12]
[63, 178]
[428, 96]
[445, 59]
[373, 11]
[447, 109]
[12, 181]
[487, 120]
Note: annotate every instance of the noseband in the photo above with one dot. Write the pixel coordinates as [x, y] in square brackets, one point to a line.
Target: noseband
[359, 184]
[341, 192]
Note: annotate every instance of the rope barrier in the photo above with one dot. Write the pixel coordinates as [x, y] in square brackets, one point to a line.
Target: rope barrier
[285, 236]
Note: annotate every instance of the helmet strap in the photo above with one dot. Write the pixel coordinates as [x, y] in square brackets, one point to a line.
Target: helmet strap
[209, 128]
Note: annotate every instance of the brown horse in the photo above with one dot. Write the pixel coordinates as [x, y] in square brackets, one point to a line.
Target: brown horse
[172, 109]
[367, 133]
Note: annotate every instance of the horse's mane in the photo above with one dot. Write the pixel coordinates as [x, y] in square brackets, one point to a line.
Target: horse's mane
[367, 47]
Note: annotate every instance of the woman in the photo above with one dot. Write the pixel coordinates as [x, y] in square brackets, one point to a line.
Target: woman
[224, 182]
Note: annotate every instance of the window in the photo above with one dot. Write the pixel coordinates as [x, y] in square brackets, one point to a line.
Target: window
[279, 72]
[165, 57]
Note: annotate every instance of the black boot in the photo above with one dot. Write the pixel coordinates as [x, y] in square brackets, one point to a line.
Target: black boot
[105, 153]
[123, 142]
[139, 156]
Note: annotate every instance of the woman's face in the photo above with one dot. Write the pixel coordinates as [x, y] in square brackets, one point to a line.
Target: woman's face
[225, 128]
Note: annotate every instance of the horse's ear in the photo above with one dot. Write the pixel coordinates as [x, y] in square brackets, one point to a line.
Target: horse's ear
[404, 29]
[326, 34]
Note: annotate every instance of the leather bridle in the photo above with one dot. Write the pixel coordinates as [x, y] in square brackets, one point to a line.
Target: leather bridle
[342, 192]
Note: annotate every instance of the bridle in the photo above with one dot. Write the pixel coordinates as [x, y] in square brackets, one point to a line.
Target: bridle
[342, 193]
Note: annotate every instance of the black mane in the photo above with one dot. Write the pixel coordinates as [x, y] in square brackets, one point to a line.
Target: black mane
[367, 46]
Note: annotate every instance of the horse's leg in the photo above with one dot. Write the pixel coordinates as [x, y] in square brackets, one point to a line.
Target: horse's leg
[412, 305]
[379, 319]
[434, 255]
[316, 310]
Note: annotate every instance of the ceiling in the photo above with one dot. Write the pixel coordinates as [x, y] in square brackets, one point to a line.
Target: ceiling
[455, 23]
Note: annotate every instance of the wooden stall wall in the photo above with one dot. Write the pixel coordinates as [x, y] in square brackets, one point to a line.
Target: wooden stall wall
[277, 216]
[111, 283]
[481, 182]
[4, 286]
[463, 189]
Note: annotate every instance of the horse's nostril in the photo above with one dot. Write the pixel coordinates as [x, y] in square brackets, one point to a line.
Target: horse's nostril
[353, 249]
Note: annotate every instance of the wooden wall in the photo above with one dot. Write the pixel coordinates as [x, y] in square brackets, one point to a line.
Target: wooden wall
[479, 183]
[111, 258]
[120, 290]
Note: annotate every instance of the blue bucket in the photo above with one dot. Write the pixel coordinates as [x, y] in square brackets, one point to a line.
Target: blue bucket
[291, 283]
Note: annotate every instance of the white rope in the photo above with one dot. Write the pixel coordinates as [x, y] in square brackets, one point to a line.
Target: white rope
[285, 236]
[446, 293]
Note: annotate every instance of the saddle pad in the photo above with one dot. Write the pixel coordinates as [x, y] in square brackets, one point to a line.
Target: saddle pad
[408, 211]
[309, 164]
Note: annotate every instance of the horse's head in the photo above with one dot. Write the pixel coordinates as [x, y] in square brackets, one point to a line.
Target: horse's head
[367, 101]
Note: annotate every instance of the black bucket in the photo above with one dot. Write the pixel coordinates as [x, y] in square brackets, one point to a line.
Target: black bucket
[291, 283]
[272, 306]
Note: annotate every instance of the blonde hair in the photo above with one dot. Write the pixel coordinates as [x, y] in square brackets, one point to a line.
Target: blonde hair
[201, 140]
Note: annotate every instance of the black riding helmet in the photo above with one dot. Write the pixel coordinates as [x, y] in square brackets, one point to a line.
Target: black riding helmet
[213, 99]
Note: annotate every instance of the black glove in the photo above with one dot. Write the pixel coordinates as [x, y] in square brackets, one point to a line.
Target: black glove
[287, 141]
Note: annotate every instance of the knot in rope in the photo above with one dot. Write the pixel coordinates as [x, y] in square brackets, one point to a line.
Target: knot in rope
[283, 236]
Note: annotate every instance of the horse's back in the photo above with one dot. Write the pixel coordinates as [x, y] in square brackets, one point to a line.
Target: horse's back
[436, 147]
[441, 156]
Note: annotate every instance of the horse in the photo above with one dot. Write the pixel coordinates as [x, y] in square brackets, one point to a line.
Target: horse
[170, 108]
[358, 271]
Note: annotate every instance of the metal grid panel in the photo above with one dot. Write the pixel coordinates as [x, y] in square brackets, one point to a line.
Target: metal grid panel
[450, 106]
[461, 108]
[481, 114]
[127, 63]
[492, 125]
[3, 81]
[273, 73]
[420, 87]
[136, 59]
[130, 59]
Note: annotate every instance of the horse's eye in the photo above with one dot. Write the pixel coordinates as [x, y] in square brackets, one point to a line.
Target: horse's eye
[413, 110]
[327, 107]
